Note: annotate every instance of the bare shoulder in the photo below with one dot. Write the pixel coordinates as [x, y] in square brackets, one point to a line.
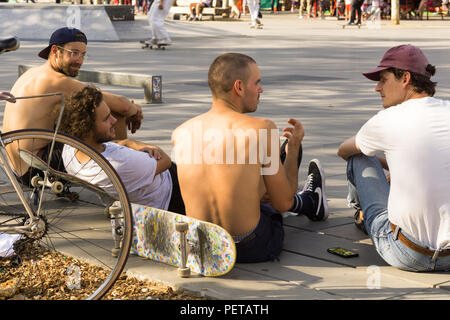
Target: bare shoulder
[256, 123]
[42, 79]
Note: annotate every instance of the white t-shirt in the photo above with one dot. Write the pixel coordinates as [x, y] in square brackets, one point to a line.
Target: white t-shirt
[135, 168]
[415, 137]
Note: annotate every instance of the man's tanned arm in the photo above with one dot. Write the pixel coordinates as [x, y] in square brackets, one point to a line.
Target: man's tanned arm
[163, 161]
[348, 148]
[126, 108]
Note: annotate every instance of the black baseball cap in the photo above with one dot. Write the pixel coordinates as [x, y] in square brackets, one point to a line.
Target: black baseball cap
[63, 36]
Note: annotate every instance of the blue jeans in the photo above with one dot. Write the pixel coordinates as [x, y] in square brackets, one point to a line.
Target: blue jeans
[369, 191]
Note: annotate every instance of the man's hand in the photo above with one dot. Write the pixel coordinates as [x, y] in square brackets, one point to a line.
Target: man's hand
[134, 122]
[294, 134]
[152, 152]
[7, 96]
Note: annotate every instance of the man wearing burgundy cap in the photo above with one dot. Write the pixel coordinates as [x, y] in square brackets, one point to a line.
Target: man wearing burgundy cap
[408, 217]
[64, 57]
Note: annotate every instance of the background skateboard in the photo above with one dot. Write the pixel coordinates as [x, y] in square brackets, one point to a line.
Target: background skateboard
[146, 45]
[345, 25]
[210, 249]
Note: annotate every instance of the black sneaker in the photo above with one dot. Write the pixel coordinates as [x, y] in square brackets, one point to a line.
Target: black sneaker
[10, 44]
[315, 185]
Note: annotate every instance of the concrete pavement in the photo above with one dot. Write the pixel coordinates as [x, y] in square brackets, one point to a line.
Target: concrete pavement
[311, 70]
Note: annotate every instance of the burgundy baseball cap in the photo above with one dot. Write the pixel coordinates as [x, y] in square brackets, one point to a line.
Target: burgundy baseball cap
[63, 36]
[405, 57]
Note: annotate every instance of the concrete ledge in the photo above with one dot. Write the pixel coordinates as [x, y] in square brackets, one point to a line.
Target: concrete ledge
[152, 85]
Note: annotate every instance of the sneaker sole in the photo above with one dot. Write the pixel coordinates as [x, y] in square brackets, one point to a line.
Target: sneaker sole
[324, 196]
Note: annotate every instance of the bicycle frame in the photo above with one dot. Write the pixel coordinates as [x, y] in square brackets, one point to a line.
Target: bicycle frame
[33, 214]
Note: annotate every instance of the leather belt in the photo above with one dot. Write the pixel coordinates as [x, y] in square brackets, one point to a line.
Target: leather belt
[415, 247]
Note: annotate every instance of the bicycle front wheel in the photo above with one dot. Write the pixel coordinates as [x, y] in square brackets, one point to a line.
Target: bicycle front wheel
[65, 247]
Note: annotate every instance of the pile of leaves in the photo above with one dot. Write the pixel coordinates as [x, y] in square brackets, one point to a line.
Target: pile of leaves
[41, 274]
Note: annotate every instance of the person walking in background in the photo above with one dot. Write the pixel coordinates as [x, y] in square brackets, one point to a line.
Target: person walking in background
[356, 9]
[308, 8]
[253, 6]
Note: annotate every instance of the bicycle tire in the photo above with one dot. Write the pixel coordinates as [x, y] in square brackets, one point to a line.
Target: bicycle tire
[78, 230]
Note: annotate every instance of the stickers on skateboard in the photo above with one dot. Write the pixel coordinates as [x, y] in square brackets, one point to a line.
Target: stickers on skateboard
[210, 249]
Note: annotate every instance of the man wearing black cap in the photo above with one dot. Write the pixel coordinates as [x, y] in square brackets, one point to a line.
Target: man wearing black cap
[408, 217]
[65, 55]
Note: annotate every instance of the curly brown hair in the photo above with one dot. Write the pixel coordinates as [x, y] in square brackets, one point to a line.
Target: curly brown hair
[79, 115]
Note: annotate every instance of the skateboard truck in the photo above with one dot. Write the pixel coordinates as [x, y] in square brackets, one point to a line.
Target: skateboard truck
[182, 228]
[55, 186]
[114, 213]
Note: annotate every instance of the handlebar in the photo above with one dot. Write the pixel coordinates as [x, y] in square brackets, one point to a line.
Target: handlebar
[9, 44]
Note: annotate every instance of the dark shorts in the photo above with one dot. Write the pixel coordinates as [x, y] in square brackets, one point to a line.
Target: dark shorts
[176, 201]
[266, 241]
[56, 163]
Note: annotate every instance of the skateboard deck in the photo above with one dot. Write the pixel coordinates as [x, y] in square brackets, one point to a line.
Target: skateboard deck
[34, 161]
[146, 45]
[345, 25]
[210, 250]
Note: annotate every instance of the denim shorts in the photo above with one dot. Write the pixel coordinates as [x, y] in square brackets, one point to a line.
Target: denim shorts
[266, 240]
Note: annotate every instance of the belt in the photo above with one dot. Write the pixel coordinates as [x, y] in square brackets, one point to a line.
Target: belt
[417, 248]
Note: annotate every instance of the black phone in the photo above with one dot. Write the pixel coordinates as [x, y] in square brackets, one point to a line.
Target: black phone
[341, 252]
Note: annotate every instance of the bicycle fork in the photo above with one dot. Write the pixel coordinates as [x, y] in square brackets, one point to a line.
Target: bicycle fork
[34, 217]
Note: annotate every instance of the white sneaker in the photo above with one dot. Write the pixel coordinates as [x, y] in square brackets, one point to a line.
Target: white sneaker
[164, 42]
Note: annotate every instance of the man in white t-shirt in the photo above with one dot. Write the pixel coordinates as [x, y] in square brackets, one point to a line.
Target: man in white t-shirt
[147, 172]
[408, 218]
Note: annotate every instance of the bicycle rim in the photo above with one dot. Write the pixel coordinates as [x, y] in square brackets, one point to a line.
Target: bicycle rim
[70, 257]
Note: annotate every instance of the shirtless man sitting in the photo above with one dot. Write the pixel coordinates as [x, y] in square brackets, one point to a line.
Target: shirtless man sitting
[229, 161]
[65, 55]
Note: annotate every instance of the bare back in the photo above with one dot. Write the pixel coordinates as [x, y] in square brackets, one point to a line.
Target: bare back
[38, 112]
[221, 180]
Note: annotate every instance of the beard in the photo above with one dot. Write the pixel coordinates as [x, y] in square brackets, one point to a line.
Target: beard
[103, 137]
[70, 70]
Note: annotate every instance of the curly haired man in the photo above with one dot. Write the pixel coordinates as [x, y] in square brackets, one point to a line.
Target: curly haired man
[147, 172]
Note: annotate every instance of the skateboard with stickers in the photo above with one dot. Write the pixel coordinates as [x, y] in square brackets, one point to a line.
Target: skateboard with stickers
[184, 242]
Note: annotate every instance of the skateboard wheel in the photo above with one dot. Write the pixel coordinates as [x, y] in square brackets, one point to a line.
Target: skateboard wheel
[115, 252]
[36, 181]
[57, 187]
[181, 226]
[114, 210]
[184, 272]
